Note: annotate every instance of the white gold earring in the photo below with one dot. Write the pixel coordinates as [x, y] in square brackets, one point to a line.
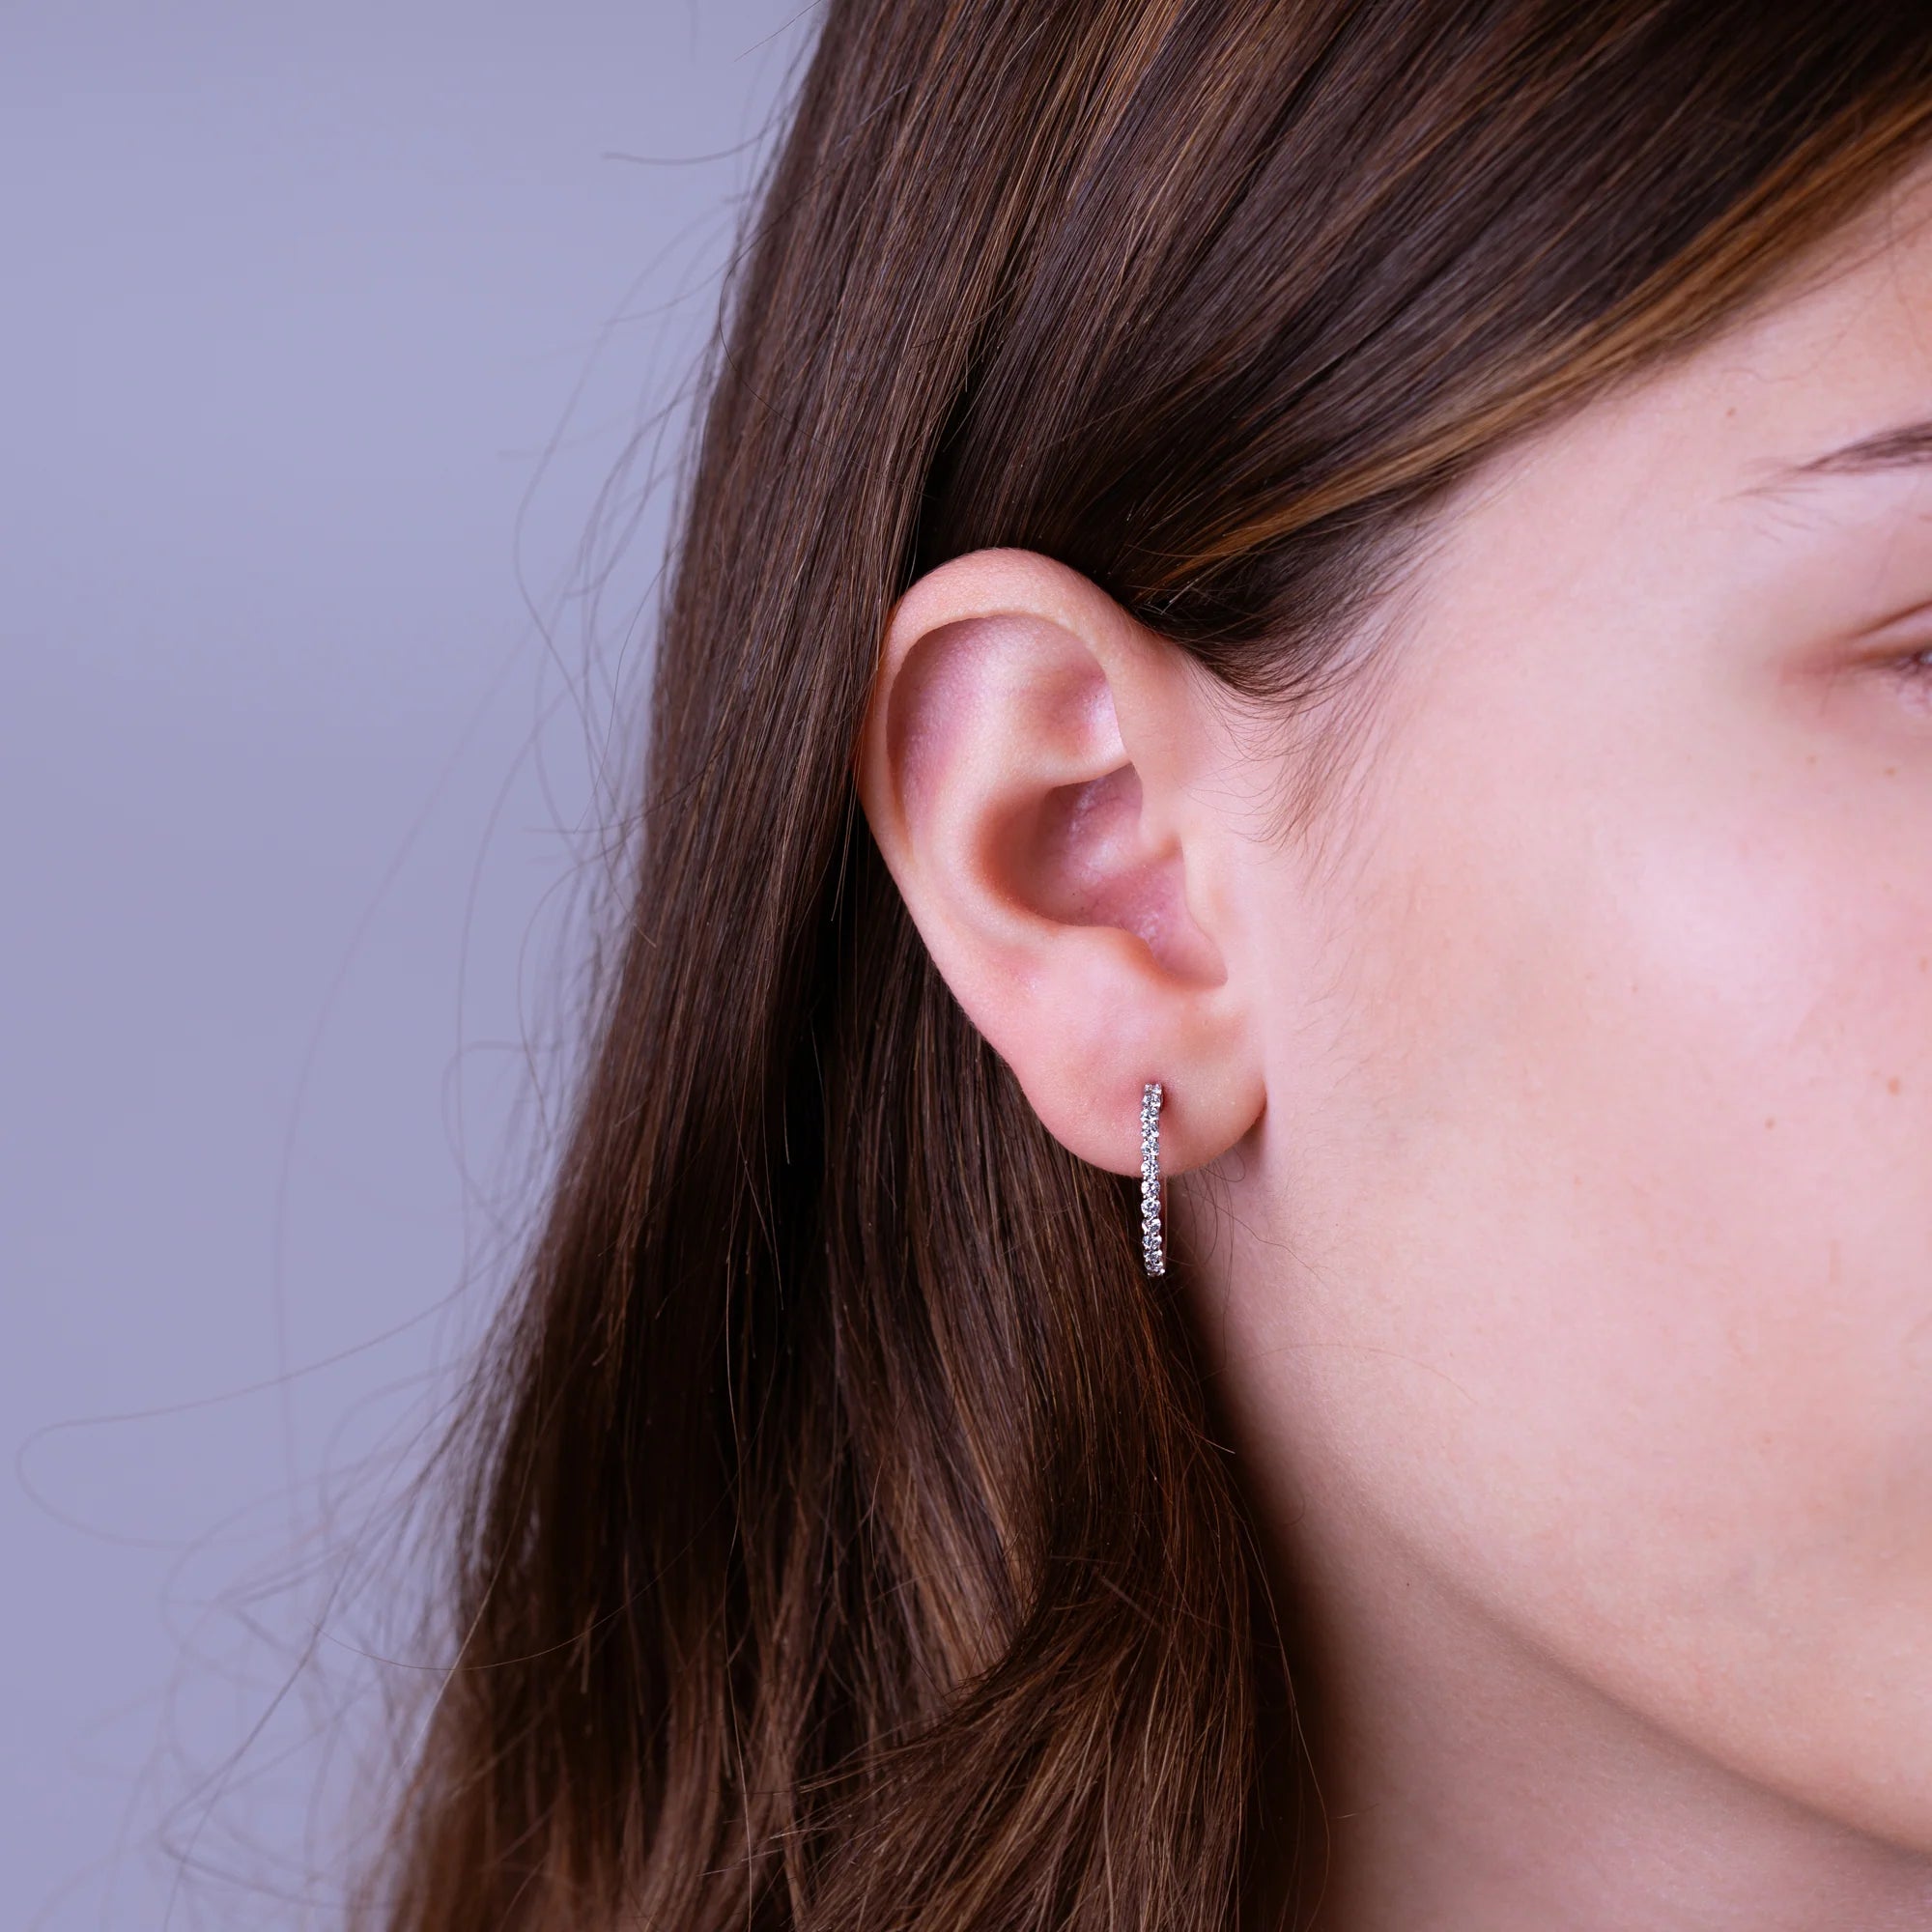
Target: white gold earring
[1153, 1242]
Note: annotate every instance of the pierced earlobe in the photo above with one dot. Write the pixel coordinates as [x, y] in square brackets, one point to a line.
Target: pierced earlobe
[1153, 1240]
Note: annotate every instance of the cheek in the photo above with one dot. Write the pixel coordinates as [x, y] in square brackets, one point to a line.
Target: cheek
[1631, 1250]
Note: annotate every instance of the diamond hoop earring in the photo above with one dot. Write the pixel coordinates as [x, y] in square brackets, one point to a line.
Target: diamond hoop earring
[1153, 1242]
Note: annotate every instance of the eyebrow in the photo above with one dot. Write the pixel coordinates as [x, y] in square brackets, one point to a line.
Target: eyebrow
[1899, 448]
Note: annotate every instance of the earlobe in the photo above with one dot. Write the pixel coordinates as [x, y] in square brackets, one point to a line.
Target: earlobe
[1031, 768]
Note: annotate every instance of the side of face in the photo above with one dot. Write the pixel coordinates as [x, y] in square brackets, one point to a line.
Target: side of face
[1581, 1259]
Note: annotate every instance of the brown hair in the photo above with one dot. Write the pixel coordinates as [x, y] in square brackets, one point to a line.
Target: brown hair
[844, 1539]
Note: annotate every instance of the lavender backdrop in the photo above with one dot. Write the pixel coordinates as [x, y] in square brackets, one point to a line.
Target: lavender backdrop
[322, 327]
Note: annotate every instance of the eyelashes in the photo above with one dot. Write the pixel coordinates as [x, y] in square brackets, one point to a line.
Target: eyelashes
[1914, 674]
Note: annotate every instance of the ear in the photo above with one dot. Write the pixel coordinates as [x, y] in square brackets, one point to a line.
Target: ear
[1045, 780]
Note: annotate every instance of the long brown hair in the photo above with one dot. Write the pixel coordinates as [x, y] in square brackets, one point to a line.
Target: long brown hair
[843, 1538]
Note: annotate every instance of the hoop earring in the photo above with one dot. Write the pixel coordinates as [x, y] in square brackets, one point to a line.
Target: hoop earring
[1153, 1242]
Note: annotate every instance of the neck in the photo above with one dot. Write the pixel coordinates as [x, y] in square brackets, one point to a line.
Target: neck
[1470, 1785]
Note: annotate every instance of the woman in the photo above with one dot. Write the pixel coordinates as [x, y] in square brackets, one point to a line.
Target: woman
[1370, 567]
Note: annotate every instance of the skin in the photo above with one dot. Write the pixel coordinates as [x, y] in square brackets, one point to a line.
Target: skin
[1553, 1119]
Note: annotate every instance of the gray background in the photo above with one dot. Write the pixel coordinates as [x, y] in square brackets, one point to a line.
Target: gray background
[322, 328]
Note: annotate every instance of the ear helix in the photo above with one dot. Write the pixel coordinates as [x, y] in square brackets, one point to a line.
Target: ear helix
[1153, 1240]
